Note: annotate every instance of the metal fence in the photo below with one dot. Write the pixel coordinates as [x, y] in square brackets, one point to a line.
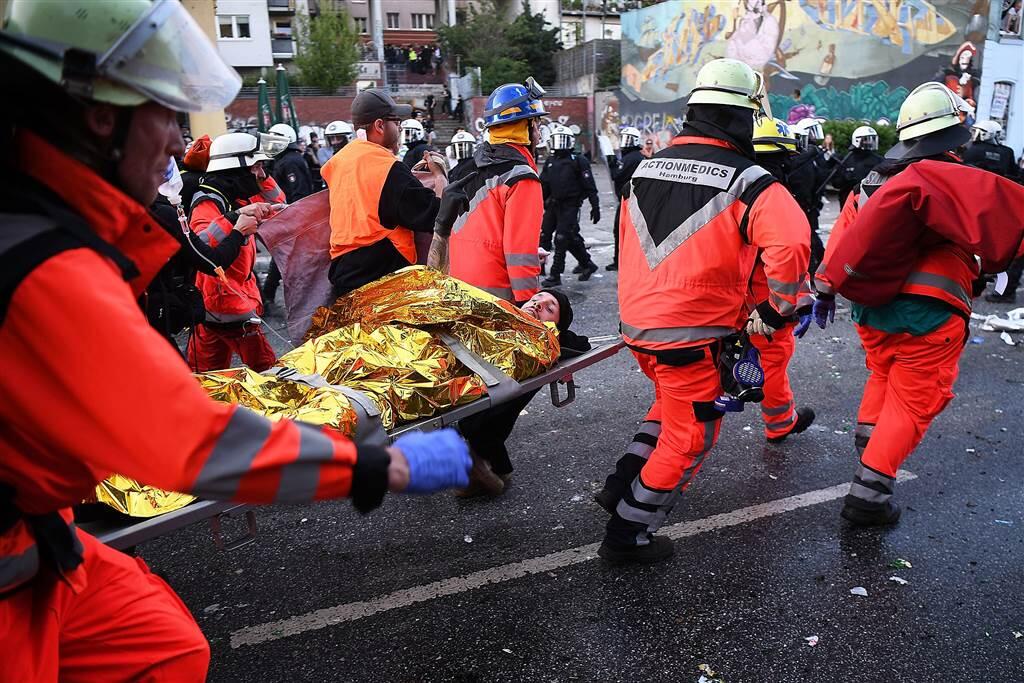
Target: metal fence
[585, 60]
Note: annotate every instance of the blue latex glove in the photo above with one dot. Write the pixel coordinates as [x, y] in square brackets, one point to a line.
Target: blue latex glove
[824, 311]
[437, 460]
[800, 330]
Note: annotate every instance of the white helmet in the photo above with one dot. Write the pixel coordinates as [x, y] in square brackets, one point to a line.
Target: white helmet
[809, 128]
[285, 130]
[338, 134]
[412, 131]
[629, 137]
[987, 131]
[864, 137]
[561, 137]
[463, 145]
[241, 150]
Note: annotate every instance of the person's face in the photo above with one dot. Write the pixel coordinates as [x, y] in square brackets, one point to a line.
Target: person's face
[153, 136]
[258, 171]
[534, 133]
[386, 133]
[965, 59]
[543, 307]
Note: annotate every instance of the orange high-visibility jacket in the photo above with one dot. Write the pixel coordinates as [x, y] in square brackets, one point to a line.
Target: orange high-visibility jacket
[355, 178]
[494, 245]
[698, 215]
[89, 388]
[942, 271]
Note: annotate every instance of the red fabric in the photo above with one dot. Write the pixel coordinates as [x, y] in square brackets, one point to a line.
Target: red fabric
[197, 158]
[683, 440]
[911, 382]
[778, 408]
[930, 202]
[240, 295]
[212, 349]
[125, 625]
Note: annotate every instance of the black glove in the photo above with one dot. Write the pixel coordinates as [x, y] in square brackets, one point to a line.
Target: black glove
[595, 213]
[454, 201]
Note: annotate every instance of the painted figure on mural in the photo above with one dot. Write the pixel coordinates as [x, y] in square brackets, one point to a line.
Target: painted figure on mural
[961, 76]
[754, 35]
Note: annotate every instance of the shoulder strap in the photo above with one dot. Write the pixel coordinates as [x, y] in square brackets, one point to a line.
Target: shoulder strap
[39, 227]
[749, 196]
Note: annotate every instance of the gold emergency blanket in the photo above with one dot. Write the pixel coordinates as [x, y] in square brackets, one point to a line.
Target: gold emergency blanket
[277, 398]
[495, 329]
[131, 498]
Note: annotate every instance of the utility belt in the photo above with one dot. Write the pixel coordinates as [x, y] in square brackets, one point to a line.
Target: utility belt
[56, 542]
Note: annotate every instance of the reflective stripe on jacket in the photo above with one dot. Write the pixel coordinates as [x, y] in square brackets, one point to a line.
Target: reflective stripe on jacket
[494, 245]
[355, 177]
[90, 388]
[698, 215]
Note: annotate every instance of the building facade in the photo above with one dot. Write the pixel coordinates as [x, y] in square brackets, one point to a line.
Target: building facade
[1002, 79]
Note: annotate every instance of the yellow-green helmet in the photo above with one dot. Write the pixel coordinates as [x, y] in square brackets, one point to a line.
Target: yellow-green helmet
[732, 83]
[122, 52]
[929, 122]
[773, 135]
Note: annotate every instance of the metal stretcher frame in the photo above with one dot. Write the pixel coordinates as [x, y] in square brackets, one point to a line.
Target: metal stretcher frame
[127, 535]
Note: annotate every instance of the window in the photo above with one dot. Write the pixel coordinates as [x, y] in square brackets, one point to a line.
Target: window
[1002, 95]
[423, 22]
[282, 28]
[361, 24]
[233, 26]
[393, 20]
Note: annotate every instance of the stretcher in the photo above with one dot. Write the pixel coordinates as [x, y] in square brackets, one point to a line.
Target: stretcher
[128, 533]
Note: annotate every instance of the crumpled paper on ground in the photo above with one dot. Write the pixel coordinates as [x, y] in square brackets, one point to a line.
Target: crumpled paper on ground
[131, 498]
[1013, 322]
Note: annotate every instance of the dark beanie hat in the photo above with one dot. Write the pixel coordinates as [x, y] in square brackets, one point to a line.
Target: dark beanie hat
[564, 309]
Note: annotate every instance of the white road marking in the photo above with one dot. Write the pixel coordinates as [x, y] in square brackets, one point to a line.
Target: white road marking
[328, 616]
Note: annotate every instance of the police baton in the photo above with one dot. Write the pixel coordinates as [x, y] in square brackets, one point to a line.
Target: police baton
[842, 161]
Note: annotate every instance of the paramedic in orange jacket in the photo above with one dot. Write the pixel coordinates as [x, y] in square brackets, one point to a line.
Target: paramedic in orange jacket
[89, 388]
[774, 148]
[698, 214]
[376, 202]
[913, 343]
[494, 245]
[234, 193]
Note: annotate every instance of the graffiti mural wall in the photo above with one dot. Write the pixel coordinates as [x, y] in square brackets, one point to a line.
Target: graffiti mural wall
[837, 59]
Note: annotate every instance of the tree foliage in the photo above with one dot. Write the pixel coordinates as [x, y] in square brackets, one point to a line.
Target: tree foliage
[328, 49]
[505, 51]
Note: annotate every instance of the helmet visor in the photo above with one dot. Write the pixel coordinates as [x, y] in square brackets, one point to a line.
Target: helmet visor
[269, 146]
[168, 58]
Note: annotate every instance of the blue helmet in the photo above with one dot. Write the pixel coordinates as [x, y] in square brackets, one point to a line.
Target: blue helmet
[514, 102]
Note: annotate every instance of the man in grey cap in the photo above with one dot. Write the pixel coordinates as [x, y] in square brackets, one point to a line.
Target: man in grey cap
[376, 202]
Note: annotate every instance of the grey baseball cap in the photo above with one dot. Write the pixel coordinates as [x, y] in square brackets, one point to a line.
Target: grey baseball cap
[373, 104]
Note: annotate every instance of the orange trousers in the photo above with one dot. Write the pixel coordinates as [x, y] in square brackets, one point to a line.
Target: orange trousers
[126, 624]
[911, 382]
[211, 348]
[778, 408]
[684, 406]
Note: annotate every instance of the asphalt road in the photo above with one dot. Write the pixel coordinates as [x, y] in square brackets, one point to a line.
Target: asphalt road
[437, 589]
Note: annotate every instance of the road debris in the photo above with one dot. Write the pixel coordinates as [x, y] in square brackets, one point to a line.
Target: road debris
[811, 640]
[467, 538]
[900, 563]
[900, 581]
[859, 590]
[708, 675]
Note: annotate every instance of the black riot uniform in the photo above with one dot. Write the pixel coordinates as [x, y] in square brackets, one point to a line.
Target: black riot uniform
[853, 168]
[805, 174]
[292, 174]
[566, 180]
[414, 153]
[461, 169]
[631, 158]
[992, 157]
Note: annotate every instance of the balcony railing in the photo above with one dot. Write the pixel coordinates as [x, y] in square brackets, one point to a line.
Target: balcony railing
[281, 5]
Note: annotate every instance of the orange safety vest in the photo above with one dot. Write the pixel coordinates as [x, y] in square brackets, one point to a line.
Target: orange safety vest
[355, 177]
[698, 215]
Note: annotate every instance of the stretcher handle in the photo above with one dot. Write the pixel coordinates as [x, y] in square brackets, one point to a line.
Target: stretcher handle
[218, 536]
[570, 392]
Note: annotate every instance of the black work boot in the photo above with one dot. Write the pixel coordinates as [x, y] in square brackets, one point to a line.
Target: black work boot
[804, 419]
[659, 548]
[858, 514]
[614, 265]
[1008, 298]
[607, 499]
[552, 281]
[587, 271]
[578, 269]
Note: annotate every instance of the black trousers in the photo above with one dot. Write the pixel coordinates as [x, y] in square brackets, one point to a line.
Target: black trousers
[1014, 273]
[615, 232]
[817, 246]
[271, 283]
[567, 238]
[487, 432]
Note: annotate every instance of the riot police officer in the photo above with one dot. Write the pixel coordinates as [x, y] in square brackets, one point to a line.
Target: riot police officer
[632, 155]
[566, 179]
[856, 165]
[987, 152]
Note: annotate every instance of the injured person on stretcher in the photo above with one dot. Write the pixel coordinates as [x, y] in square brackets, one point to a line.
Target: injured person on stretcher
[395, 355]
[487, 432]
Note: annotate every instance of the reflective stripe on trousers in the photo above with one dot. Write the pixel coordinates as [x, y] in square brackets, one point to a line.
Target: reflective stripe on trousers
[870, 489]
